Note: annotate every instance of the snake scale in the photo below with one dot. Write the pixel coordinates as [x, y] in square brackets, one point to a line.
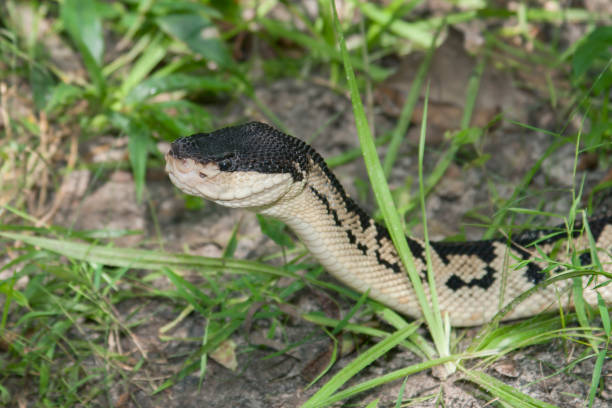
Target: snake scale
[257, 167]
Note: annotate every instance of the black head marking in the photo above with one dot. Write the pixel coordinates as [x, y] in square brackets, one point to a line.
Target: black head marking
[250, 147]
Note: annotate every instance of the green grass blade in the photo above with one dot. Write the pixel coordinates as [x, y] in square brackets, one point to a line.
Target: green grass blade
[84, 25]
[596, 377]
[331, 362]
[592, 243]
[351, 327]
[393, 376]
[505, 392]
[354, 153]
[472, 93]
[139, 258]
[379, 183]
[152, 55]
[604, 314]
[357, 365]
[400, 396]
[579, 303]
[441, 338]
[139, 145]
[421, 36]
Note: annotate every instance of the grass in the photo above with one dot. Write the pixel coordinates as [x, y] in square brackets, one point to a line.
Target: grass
[76, 305]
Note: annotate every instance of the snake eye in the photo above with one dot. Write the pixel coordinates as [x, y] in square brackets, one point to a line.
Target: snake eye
[227, 162]
[202, 175]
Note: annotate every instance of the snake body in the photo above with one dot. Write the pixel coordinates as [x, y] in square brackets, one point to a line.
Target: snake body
[257, 167]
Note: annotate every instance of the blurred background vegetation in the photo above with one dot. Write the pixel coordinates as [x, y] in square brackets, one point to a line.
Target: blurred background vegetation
[150, 69]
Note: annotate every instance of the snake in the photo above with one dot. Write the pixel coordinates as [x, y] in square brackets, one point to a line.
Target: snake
[259, 168]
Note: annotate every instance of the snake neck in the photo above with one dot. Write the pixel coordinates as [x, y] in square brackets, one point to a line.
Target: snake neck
[346, 241]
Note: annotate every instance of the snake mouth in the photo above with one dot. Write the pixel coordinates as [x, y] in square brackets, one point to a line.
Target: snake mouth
[185, 166]
[192, 176]
[178, 165]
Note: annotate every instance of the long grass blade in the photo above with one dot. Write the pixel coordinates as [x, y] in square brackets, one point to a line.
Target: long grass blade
[379, 184]
[139, 258]
[357, 365]
[505, 392]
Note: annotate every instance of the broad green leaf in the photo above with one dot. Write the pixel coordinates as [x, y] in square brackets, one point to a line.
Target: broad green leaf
[42, 84]
[231, 10]
[138, 146]
[595, 45]
[172, 119]
[5, 395]
[7, 289]
[374, 403]
[63, 95]
[83, 22]
[157, 85]
[165, 7]
[275, 230]
[199, 33]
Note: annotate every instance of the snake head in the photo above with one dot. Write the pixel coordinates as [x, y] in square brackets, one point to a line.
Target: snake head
[250, 165]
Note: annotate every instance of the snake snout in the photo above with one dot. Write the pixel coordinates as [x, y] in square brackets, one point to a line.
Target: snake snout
[178, 165]
[178, 148]
[183, 165]
[188, 147]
